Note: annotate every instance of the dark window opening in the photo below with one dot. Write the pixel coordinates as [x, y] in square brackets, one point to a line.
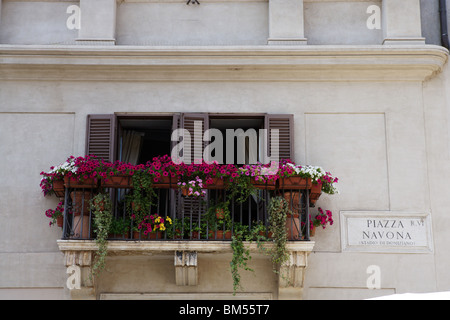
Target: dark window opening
[142, 139]
[240, 156]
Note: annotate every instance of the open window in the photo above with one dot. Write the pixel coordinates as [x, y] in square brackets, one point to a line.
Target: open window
[140, 138]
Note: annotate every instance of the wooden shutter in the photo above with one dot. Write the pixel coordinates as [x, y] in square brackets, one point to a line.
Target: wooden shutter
[100, 137]
[197, 143]
[189, 206]
[285, 124]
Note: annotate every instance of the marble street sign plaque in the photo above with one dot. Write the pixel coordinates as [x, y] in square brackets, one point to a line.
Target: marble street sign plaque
[387, 231]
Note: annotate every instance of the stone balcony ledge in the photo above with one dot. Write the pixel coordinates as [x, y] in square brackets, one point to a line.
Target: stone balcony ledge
[145, 247]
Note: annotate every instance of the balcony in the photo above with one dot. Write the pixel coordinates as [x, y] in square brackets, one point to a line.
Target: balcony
[117, 209]
[216, 216]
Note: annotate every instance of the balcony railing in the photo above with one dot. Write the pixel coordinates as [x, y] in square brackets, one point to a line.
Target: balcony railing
[213, 217]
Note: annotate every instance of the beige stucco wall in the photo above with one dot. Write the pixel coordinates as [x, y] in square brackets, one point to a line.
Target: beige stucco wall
[387, 139]
[375, 142]
[242, 22]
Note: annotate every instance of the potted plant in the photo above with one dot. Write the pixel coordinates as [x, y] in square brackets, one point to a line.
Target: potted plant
[259, 232]
[178, 228]
[219, 221]
[56, 214]
[192, 187]
[157, 225]
[322, 219]
[52, 182]
[194, 230]
[119, 228]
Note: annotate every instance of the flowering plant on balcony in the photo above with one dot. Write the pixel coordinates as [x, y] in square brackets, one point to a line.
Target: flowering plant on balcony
[56, 213]
[259, 172]
[317, 174]
[161, 167]
[322, 219]
[193, 187]
[154, 223]
[56, 173]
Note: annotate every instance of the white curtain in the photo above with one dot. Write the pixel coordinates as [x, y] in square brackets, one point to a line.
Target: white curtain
[131, 146]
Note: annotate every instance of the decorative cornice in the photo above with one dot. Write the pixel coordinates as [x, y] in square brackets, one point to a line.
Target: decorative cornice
[222, 63]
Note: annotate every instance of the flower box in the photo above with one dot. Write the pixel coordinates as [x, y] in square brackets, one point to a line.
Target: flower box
[73, 182]
[220, 235]
[295, 183]
[316, 191]
[119, 181]
[217, 183]
[155, 235]
[60, 221]
[269, 184]
[137, 235]
[58, 188]
[165, 182]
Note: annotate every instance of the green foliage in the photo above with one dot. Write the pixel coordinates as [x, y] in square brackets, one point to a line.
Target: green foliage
[241, 256]
[119, 226]
[278, 210]
[142, 197]
[241, 188]
[101, 209]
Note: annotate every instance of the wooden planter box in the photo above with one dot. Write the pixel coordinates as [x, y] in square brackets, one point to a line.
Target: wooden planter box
[119, 181]
[294, 183]
[316, 191]
[166, 183]
[58, 188]
[218, 183]
[265, 185]
[71, 182]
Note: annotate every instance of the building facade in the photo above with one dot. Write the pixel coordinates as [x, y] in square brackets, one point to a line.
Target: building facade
[364, 86]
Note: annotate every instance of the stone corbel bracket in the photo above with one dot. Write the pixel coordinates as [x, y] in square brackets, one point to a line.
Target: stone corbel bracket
[79, 281]
[292, 272]
[186, 273]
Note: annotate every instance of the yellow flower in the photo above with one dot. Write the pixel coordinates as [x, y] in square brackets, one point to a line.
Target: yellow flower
[157, 220]
[162, 227]
[169, 220]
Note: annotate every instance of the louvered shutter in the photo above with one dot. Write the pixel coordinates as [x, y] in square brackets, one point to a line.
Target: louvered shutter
[100, 137]
[197, 144]
[189, 206]
[285, 124]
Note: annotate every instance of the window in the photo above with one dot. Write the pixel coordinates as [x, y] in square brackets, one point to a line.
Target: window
[139, 138]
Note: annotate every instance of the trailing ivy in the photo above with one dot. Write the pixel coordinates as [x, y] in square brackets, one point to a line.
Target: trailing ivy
[101, 209]
[143, 194]
[241, 256]
[278, 210]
